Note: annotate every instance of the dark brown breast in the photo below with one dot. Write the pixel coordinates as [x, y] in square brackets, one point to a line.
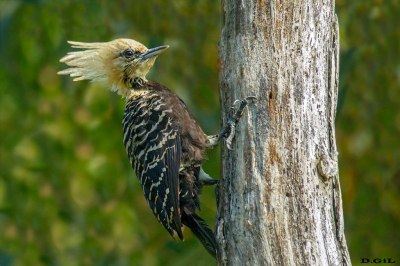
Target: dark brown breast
[193, 139]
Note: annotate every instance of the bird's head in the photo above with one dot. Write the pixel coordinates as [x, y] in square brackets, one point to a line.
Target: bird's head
[117, 62]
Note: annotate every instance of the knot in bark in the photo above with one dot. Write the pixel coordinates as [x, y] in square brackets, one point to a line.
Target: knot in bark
[328, 165]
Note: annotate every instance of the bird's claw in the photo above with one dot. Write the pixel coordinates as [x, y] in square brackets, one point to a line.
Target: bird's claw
[235, 104]
[231, 135]
[240, 104]
[238, 108]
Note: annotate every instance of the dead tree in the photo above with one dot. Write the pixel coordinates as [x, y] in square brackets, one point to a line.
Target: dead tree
[279, 200]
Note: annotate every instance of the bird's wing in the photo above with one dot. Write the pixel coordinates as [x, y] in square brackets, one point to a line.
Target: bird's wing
[153, 146]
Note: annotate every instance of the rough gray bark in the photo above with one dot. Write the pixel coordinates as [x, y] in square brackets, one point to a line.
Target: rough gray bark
[279, 198]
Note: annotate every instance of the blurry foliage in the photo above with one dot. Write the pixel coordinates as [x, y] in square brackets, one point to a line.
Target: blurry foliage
[368, 126]
[68, 195]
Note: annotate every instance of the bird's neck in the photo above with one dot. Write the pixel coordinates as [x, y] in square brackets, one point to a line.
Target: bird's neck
[137, 83]
[138, 88]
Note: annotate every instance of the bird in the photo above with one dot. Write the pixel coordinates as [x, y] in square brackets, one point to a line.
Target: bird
[164, 143]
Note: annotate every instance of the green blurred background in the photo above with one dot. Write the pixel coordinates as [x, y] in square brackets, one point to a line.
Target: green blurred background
[68, 195]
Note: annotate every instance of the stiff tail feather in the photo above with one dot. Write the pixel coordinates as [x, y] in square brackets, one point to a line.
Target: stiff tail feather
[201, 230]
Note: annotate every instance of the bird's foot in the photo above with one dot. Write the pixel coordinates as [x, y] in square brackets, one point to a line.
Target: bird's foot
[229, 130]
[212, 141]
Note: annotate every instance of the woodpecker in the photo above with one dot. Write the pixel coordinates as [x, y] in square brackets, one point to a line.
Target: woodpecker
[164, 143]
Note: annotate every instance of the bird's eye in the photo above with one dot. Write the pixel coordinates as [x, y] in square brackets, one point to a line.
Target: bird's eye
[128, 53]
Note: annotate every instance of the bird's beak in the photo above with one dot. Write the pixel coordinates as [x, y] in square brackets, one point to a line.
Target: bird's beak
[154, 52]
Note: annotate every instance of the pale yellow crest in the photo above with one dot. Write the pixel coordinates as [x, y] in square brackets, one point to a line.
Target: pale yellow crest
[103, 62]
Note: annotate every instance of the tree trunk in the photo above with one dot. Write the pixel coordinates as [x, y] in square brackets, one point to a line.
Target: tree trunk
[279, 200]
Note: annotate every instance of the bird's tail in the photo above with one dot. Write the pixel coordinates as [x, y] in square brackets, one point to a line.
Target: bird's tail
[201, 230]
